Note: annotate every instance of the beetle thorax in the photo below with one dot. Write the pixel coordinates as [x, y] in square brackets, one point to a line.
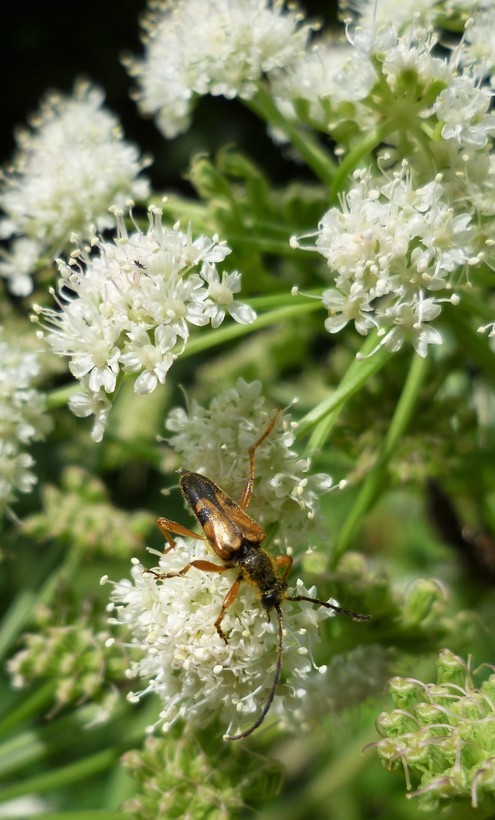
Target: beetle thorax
[258, 570]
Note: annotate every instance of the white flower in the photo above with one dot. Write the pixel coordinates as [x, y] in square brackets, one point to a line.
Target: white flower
[17, 263]
[225, 51]
[464, 108]
[97, 355]
[23, 419]
[478, 52]
[410, 322]
[221, 298]
[15, 473]
[350, 678]
[129, 306]
[152, 361]
[216, 441]
[183, 660]
[92, 404]
[69, 168]
[353, 305]
[410, 56]
[391, 248]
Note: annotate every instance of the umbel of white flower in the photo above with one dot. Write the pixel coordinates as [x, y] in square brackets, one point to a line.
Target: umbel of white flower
[215, 441]
[225, 51]
[70, 167]
[395, 252]
[171, 622]
[182, 659]
[128, 308]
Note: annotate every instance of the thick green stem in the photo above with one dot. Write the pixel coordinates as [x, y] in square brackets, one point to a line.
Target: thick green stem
[322, 418]
[291, 308]
[373, 484]
[205, 341]
[319, 160]
[37, 702]
[352, 160]
[55, 779]
[32, 745]
[41, 590]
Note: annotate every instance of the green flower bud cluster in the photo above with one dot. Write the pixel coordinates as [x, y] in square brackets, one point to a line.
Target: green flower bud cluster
[443, 734]
[80, 514]
[75, 656]
[194, 777]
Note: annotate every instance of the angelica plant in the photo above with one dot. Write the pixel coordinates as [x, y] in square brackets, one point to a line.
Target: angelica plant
[334, 275]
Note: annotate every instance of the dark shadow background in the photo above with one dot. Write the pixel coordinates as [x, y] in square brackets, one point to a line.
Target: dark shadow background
[47, 44]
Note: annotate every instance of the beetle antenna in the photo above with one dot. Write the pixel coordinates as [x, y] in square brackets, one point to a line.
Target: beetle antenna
[340, 610]
[276, 681]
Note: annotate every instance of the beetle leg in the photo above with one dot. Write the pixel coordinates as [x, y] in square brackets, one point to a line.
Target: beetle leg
[167, 527]
[283, 561]
[248, 487]
[227, 601]
[204, 566]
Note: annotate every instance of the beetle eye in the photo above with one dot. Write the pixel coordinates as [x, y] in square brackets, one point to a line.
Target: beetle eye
[268, 600]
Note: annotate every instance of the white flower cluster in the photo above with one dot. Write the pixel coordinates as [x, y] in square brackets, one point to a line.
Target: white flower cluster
[69, 169]
[22, 420]
[392, 249]
[322, 83]
[225, 51]
[185, 662]
[129, 307]
[338, 81]
[215, 441]
[400, 242]
[464, 109]
[407, 14]
[372, 15]
[172, 620]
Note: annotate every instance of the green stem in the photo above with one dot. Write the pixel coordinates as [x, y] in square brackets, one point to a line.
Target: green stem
[32, 745]
[63, 776]
[319, 160]
[264, 244]
[354, 158]
[62, 736]
[285, 306]
[36, 703]
[324, 415]
[26, 601]
[60, 397]
[276, 300]
[343, 771]
[207, 340]
[373, 484]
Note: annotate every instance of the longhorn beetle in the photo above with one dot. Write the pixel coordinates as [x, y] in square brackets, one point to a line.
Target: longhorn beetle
[236, 539]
